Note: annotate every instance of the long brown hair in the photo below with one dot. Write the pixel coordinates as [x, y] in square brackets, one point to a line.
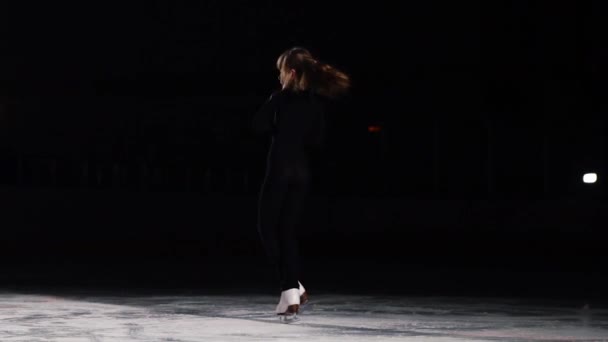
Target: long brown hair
[310, 73]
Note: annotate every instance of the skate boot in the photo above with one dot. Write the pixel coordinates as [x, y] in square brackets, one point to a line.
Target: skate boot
[289, 306]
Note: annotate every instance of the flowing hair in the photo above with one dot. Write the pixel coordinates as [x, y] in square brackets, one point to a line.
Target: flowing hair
[320, 77]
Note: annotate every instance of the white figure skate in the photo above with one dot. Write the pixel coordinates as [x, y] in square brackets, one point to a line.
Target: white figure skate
[289, 306]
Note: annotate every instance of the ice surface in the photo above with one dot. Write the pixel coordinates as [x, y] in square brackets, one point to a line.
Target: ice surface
[329, 317]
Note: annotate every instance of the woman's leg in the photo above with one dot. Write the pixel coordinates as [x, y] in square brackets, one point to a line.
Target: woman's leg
[270, 203]
[291, 216]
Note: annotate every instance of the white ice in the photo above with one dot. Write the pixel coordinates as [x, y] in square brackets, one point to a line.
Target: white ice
[96, 317]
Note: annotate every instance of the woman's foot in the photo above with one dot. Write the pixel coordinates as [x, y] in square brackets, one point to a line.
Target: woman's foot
[289, 303]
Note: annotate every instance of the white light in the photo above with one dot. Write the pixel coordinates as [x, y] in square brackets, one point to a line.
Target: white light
[590, 178]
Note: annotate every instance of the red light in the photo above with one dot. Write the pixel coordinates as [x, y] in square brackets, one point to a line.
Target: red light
[374, 129]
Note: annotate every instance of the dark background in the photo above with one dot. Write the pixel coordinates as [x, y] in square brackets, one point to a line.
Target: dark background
[124, 140]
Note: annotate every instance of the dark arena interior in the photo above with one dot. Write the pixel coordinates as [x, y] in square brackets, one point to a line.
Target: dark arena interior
[460, 193]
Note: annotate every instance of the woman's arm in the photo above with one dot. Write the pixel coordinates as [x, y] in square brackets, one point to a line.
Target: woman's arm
[263, 121]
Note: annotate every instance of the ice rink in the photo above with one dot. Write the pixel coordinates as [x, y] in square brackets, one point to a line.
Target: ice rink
[95, 316]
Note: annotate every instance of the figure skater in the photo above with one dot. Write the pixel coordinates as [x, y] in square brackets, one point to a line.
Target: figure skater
[294, 118]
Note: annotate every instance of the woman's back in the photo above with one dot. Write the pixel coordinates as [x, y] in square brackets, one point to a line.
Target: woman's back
[296, 122]
[300, 124]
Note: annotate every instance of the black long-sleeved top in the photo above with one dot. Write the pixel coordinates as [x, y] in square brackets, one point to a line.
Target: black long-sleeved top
[296, 122]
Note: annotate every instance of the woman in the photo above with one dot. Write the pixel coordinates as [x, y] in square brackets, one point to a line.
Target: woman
[294, 117]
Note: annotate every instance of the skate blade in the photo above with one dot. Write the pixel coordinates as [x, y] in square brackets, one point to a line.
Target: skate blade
[289, 319]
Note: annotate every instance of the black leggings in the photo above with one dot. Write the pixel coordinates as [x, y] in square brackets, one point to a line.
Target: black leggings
[280, 206]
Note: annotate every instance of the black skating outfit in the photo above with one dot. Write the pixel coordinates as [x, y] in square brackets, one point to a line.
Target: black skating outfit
[296, 122]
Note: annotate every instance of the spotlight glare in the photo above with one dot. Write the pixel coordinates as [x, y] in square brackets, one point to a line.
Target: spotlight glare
[590, 178]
